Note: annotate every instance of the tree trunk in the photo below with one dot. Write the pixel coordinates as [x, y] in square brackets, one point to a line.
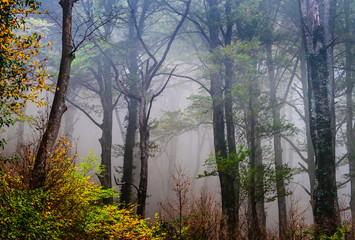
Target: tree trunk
[310, 151]
[144, 148]
[280, 185]
[228, 106]
[325, 193]
[260, 200]
[106, 127]
[254, 230]
[128, 158]
[349, 110]
[229, 200]
[58, 107]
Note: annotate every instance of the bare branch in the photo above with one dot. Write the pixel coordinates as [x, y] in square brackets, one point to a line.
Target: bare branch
[154, 69]
[341, 160]
[197, 24]
[139, 34]
[296, 109]
[158, 93]
[116, 101]
[343, 183]
[294, 147]
[189, 78]
[85, 112]
[290, 81]
[126, 183]
[120, 85]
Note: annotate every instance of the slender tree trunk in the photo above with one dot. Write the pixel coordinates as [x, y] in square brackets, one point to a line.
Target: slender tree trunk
[260, 200]
[106, 127]
[254, 230]
[310, 152]
[228, 106]
[325, 193]
[58, 106]
[226, 180]
[128, 158]
[144, 148]
[276, 116]
[349, 110]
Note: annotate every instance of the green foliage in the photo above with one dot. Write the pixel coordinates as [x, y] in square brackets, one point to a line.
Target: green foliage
[339, 235]
[239, 162]
[244, 55]
[22, 78]
[309, 233]
[67, 207]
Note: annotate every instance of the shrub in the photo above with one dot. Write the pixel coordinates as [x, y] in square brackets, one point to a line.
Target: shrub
[67, 207]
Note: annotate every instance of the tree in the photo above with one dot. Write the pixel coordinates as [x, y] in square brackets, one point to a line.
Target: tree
[93, 62]
[349, 78]
[22, 76]
[58, 107]
[133, 87]
[148, 73]
[317, 40]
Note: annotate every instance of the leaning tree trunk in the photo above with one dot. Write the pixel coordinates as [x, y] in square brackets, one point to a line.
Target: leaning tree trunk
[58, 106]
[325, 193]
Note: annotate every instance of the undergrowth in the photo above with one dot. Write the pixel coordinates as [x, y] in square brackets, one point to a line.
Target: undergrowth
[67, 207]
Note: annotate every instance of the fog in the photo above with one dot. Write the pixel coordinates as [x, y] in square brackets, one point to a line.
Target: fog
[178, 99]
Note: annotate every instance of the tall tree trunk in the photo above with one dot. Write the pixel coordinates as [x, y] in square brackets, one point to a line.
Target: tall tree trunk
[310, 151]
[58, 106]
[128, 158]
[325, 193]
[254, 230]
[276, 116]
[349, 109]
[144, 148]
[106, 127]
[259, 178]
[228, 106]
[226, 180]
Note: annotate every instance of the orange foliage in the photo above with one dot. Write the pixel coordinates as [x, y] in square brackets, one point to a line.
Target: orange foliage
[21, 78]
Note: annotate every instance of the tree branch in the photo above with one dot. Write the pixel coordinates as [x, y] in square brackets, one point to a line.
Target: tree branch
[294, 147]
[85, 112]
[158, 93]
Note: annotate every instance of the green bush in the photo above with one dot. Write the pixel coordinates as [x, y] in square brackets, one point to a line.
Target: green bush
[68, 206]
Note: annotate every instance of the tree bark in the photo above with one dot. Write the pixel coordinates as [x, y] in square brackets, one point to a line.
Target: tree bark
[144, 148]
[325, 193]
[310, 161]
[254, 229]
[106, 128]
[349, 109]
[229, 201]
[276, 116]
[58, 107]
[228, 106]
[128, 158]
